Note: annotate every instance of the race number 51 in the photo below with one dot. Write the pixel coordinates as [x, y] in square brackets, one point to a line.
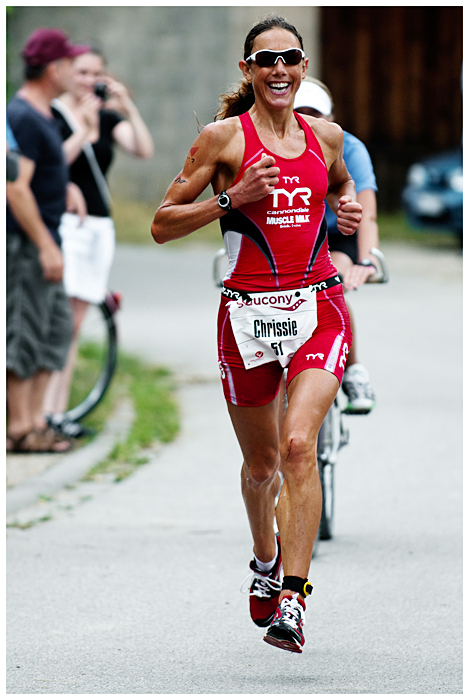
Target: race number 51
[277, 348]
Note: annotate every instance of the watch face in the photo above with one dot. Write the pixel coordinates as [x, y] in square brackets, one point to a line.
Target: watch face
[224, 200]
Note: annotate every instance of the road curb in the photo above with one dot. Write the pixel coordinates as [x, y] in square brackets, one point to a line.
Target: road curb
[75, 465]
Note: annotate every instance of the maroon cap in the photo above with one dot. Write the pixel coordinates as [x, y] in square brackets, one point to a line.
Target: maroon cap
[47, 45]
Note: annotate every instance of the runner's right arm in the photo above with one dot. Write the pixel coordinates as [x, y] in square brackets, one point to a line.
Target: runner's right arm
[213, 158]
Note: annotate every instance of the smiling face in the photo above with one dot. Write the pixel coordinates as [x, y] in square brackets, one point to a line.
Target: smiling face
[275, 85]
[87, 70]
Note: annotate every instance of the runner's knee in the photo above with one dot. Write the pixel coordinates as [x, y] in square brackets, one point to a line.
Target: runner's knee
[298, 454]
[261, 467]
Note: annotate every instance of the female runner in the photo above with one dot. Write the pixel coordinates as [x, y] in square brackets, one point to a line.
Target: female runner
[282, 304]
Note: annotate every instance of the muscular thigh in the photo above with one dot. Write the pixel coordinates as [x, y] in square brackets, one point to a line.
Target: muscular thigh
[243, 387]
[329, 345]
[257, 430]
[310, 395]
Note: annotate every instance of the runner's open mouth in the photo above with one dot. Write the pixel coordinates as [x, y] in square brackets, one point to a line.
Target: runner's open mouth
[279, 88]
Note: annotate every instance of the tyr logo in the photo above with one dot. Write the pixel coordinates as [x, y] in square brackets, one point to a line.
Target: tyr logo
[313, 356]
[345, 352]
[303, 192]
[295, 178]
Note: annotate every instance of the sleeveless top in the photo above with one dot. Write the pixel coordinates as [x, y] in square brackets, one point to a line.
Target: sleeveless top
[280, 241]
[80, 171]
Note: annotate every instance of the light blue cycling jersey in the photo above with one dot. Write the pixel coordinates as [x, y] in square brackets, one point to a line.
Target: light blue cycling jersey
[11, 141]
[358, 162]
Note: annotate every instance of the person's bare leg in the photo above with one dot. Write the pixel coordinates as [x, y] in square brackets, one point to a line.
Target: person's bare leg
[282, 402]
[258, 435]
[20, 419]
[25, 399]
[39, 385]
[310, 396]
[58, 390]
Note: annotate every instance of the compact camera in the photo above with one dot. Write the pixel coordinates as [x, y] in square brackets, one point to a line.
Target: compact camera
[101, 91]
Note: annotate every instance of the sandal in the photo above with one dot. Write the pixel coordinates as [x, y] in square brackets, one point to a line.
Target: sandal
[39, 441]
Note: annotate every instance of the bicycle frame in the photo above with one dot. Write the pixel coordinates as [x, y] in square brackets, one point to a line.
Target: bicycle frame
[333, 434]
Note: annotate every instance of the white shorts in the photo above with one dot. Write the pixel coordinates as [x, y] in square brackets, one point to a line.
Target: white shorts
[88, 250]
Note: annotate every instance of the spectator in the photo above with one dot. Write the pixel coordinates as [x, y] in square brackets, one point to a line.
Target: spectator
[91, 126]
[38, 312]
[350, 254]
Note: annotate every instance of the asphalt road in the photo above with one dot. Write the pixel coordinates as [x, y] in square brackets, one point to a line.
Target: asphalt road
[136, 590]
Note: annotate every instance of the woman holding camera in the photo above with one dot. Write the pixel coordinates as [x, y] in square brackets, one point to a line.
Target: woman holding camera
[95, 115]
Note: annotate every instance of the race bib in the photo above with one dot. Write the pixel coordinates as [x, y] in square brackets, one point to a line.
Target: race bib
[273, 325]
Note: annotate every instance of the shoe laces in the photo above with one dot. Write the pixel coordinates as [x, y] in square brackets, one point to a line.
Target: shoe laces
[357, 384]
[292, 611]
[262, 586]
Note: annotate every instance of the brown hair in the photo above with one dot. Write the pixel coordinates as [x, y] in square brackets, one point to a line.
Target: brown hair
[241, 98]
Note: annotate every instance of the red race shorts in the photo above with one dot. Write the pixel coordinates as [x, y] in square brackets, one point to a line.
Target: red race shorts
[327, 349]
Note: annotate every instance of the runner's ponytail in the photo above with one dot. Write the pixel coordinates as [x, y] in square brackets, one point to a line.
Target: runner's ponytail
[234, 103]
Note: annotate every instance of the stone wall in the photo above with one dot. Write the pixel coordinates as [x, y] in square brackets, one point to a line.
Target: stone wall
[176, 61]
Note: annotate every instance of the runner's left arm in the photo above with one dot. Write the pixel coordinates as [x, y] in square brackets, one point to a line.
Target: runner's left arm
[341, 195]
[342, 198]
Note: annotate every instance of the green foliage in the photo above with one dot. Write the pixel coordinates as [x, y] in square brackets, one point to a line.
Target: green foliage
[152, 392]
[394, 227]
[9, 87]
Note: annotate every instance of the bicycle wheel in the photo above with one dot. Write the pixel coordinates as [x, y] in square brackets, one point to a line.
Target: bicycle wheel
[326, 476]
[326, 446]
[97, 357]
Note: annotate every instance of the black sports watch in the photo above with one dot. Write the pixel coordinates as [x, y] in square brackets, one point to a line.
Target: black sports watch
[224, 201]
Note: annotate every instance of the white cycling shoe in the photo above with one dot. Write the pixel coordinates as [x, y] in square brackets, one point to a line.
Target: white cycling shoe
[356, 386]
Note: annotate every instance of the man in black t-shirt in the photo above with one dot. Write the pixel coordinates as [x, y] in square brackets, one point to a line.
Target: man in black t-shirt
[39, 326]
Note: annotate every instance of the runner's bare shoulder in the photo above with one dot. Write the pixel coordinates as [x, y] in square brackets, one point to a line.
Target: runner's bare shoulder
[222, 137]
[329, 135]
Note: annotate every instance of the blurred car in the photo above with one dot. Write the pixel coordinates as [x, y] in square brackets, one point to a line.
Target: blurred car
[433, 194]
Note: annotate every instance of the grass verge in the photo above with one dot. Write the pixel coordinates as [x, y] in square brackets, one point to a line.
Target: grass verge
[157, 420]
[394, 228]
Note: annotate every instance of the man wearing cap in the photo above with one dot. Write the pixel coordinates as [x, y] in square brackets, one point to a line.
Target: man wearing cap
[350, 254]
[39, 326]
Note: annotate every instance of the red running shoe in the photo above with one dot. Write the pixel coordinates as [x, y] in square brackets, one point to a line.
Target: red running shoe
[264, 590]
[286, 631]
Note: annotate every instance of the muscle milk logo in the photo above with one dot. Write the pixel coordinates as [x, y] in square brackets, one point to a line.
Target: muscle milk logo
[290, 206]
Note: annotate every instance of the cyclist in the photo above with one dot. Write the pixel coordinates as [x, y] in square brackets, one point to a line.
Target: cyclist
[270, 171]
[350, 255]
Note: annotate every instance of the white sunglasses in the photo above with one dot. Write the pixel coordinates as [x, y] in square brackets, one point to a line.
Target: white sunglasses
[266, 58]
